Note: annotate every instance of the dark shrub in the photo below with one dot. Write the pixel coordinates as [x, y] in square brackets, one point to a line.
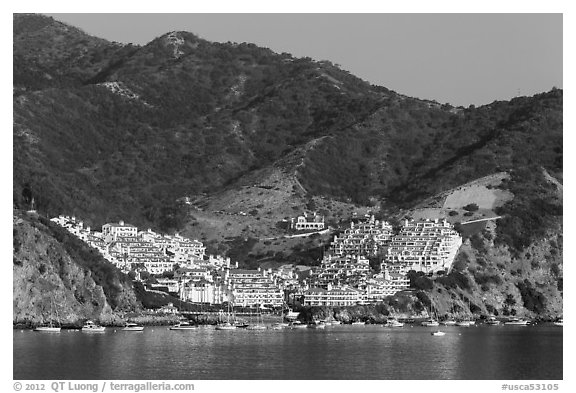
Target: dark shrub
[471, 207]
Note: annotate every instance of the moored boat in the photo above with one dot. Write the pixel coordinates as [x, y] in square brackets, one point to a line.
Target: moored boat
[559, 322]
[448, 322]
[51, 326]
[394, 323]
[358, 323]
[317, 325]
[463, 323]
[430, 322]
[133, 327]
[492, 321]
[183, 326]
[517, 322]
[90, 326]
[225, 326]
[297, 325]
[48, 329]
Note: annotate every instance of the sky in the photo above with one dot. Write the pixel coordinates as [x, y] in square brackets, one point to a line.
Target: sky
[460, 59]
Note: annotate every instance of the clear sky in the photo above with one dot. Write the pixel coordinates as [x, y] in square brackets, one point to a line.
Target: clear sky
[460, 59]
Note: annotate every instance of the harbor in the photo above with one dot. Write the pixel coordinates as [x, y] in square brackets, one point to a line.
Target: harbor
[335, 352]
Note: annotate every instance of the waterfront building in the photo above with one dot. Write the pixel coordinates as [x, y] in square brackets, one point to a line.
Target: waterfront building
[202, 291]
[304, 222]
[252, 287]
[427, 246]
[331, 297]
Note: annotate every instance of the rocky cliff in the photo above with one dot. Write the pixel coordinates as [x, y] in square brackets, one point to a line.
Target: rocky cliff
[48, 284]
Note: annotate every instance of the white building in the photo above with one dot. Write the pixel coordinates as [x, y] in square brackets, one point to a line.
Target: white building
[363, 238]
[253, 287]
[112, 230]
[331, 297]
[427, 246]
[304, 222]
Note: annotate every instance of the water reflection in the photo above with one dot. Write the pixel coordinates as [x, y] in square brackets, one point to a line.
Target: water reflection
[338, 352]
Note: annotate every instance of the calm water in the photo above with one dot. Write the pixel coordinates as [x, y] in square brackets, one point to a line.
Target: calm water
[337, 352]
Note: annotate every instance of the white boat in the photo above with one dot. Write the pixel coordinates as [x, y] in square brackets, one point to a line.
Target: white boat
[438, 333]
[430, 322]
[297, 325]
[48, 329]
[90, 326]
[358, 323]
[279, 326]
[448, 322]
[559, 322]
[256, 327]
[291, 315]
[51, 328]
[393, 323]
[225, 326]
[433, 319]
[492, 321]
[183, 326]
[335, 322]
[259, 325]
[463, 323]
[317, 325]
[133, 327]
[516, 322]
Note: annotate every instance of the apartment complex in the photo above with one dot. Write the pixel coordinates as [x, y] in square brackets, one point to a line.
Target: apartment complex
[428, 246]
[253, 287]
[363, 238]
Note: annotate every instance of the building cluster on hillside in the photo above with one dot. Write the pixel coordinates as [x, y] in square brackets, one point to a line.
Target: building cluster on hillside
[194, 277]
[343, 278]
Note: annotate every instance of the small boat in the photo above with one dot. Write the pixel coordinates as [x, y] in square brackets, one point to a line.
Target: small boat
[559, 322]
[516, 322]
[430, 322]
[50, 329]
[448, 322]
[279, 326]
[241, 325]
[291, 315]
[90, 326]
[256, 327]
[133, 327]
[183, 326]
[297, 325]
[463, 323]
[393, 323]
[225, 326]
[335, 322]
[317, 325]
[358, 323]
[492, 321]
[437, 333]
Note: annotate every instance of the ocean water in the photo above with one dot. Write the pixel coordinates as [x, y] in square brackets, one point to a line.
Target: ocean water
[336, 352]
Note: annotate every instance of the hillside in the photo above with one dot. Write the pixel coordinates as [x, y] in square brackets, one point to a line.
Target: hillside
[225, 142]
